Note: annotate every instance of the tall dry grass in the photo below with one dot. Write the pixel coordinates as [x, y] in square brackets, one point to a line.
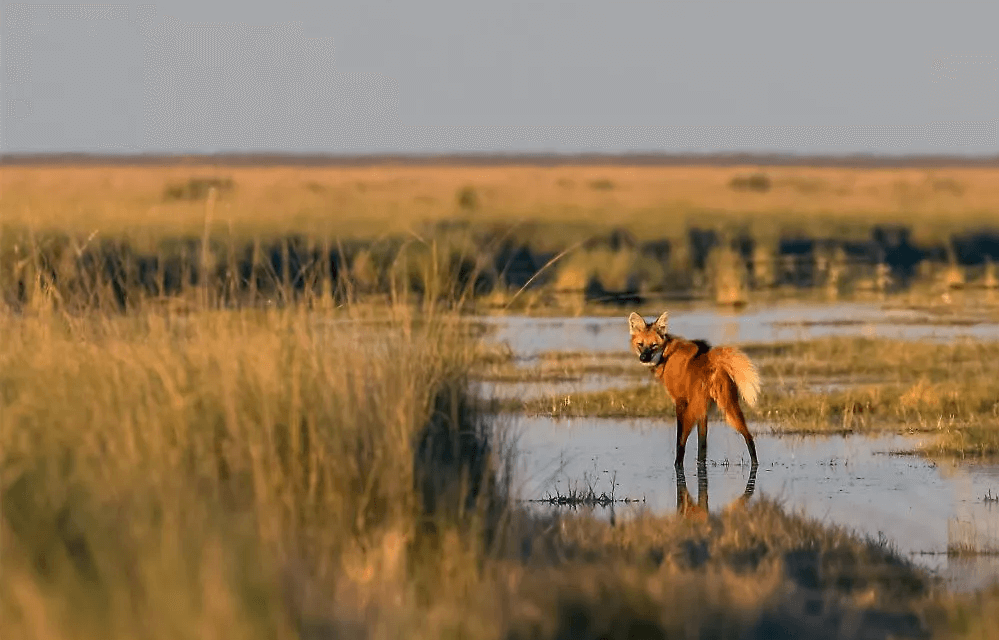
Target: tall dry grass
[231, 473]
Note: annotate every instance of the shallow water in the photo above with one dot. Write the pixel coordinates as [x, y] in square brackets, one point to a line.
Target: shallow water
[530, 336]
[547, 389]
[919, 507]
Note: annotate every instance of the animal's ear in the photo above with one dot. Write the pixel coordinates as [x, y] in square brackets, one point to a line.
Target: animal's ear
[662, 323]
[636, 323]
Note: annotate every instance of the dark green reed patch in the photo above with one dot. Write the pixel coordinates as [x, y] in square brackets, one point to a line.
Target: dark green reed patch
[602, 184]
[759, 182]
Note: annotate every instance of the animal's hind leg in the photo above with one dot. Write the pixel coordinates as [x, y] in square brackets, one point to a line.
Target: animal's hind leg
[734, 416]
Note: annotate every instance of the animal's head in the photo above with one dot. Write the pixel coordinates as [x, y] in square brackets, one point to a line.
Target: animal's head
[648, 339]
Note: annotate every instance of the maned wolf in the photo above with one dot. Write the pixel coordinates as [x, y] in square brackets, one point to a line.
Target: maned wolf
[696, 374]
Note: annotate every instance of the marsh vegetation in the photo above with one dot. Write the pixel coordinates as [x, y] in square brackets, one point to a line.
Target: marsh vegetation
[508, 237]
[234, 404]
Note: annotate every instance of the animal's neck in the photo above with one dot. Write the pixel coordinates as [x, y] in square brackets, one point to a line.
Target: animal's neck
[661, 356]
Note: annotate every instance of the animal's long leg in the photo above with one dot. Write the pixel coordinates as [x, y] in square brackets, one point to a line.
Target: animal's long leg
[728, 402]
[733, 414]
[684, 425]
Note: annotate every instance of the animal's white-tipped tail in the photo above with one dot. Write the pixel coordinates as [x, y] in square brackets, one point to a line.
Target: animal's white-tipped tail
[742, 371]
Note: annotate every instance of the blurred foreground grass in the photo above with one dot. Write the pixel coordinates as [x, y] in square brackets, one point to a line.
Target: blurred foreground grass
[202, 476]
[287, 473]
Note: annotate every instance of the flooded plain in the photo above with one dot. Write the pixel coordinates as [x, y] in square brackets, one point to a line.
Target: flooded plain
[943, 516]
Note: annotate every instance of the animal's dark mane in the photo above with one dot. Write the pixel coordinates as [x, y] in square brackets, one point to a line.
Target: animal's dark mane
[703, 346]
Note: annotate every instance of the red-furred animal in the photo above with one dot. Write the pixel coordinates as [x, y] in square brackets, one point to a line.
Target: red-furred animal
[695, 375]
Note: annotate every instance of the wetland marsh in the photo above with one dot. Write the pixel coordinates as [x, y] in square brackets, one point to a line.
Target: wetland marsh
[914, 465]
[210, 427]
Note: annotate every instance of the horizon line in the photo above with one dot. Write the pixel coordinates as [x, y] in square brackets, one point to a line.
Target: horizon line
[643, 158]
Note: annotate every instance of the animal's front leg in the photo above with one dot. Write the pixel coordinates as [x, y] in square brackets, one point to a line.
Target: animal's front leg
[684, 425]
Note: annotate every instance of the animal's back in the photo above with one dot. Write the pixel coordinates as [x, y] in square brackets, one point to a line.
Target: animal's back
[687, 371]
[694, 368]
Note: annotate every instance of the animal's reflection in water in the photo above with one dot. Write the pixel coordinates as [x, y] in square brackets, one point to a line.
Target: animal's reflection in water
[698, 511]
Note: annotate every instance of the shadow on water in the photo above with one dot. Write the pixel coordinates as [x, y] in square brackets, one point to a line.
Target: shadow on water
[935, 513]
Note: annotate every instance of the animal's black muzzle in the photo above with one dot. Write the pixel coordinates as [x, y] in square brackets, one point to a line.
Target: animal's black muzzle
[646, 355]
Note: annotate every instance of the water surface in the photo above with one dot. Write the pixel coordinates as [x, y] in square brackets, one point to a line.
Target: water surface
[920, 507]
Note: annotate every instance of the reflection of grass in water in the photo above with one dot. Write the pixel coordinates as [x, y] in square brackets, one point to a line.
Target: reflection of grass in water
[585, 495]
[964, 538]
[965, 550]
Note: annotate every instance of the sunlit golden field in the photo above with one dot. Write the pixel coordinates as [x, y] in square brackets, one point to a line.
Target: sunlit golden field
[301, 464]
[368, 201]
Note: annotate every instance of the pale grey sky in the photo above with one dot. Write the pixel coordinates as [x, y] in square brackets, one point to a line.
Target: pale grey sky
[800, 76]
